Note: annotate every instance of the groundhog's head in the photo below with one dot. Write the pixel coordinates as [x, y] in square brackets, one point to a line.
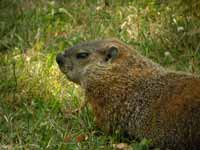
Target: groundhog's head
[91, 57]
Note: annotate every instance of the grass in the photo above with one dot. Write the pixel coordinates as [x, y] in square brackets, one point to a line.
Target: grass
[35, 96]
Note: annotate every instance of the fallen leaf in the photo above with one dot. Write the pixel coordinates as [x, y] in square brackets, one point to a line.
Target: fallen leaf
[81, 138]
[67, 138]
[122, 146]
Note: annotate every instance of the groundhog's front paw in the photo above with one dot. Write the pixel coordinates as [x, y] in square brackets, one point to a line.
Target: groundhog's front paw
[70, 112]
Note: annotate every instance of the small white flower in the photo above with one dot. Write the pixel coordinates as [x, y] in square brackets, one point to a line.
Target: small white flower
[99, 8]
[174, 20]
[180, 28]
[123, 25]
[167, 53]
[52, 3]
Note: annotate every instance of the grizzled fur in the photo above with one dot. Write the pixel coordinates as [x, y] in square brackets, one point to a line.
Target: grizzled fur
[132, 94]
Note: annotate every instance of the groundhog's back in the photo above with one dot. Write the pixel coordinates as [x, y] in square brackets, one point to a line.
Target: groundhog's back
[168, 105]
[177, 113]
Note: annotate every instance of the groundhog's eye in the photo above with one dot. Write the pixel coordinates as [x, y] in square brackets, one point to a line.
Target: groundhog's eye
[82, 55]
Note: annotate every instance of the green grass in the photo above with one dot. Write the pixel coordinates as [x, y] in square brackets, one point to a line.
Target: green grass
[35, 96]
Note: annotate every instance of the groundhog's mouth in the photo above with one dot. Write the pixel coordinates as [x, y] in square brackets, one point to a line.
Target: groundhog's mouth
[66, 70]
[63, 64]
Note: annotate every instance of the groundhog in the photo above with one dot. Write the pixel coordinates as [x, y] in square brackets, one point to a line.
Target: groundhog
[131, 94]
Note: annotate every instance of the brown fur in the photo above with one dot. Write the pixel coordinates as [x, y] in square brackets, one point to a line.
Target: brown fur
[132, 94]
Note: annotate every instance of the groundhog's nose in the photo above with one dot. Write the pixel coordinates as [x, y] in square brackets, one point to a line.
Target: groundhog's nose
[60, 59]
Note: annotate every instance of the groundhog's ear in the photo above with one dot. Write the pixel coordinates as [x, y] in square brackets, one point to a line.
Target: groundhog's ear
[111, 53]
